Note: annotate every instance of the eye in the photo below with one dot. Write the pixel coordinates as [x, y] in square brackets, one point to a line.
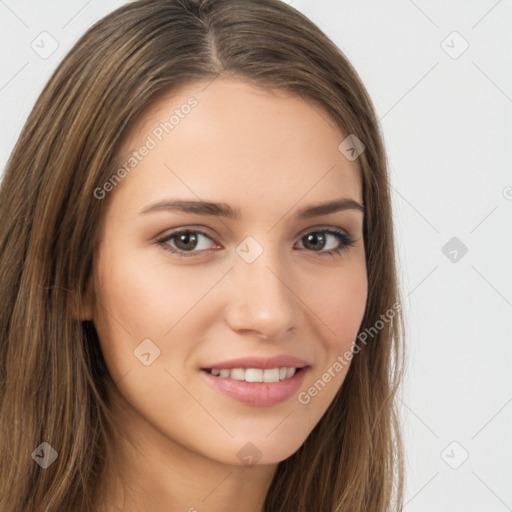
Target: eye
[189, 242]
[185, 241]
[327, 241]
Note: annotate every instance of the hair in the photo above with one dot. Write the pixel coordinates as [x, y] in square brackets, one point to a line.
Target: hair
[52, 371]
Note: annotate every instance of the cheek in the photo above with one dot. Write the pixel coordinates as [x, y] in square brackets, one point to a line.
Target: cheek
[146, 297]
[143, 298]
[348, 304]
[131, 306]
[340, 303]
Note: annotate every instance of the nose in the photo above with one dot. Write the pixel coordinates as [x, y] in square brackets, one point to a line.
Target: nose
[262, 300]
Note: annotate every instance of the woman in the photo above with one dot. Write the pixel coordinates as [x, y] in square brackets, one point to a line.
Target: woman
[200, 307]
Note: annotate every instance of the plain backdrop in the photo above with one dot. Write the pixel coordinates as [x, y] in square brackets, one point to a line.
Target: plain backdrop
[440, 76]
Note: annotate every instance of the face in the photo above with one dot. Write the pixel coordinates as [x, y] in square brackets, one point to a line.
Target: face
[215, 271]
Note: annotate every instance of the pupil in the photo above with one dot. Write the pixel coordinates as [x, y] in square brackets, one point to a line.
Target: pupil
[185, 239]
[316, 240]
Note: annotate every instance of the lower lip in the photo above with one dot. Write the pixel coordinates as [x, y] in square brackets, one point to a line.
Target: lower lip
[258, 394]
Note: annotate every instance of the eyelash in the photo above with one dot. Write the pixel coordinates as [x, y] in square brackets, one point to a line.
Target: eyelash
[345, 239]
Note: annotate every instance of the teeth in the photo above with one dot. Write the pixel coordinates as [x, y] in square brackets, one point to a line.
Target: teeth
[271, 375]
[252, 375]
[255, 374]
[237, 374]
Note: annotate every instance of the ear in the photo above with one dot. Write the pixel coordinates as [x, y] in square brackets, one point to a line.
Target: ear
[82, 305]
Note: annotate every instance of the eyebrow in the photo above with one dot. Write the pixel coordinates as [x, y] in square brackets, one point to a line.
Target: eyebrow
[224, 210]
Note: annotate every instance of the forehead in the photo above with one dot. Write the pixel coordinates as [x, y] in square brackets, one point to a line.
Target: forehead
[232, 139]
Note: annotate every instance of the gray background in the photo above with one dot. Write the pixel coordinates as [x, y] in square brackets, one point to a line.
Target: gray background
[446, 117]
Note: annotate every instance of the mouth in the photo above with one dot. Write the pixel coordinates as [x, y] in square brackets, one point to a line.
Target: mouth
[256, 387]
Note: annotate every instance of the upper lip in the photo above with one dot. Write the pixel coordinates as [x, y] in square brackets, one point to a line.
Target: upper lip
[264, 363]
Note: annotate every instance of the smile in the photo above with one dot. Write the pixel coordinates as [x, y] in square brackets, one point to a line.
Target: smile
[254, 374]
[247, 385]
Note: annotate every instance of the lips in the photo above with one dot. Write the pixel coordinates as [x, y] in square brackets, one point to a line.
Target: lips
[245, 379]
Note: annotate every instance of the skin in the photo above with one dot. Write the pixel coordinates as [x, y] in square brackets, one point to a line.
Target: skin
[269, 154]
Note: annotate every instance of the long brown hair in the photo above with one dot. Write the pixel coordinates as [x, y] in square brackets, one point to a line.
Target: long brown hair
[52, 373]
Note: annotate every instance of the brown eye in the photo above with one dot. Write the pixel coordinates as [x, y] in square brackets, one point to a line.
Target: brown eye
[315, 241]
[186, 241]
[327, 241]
